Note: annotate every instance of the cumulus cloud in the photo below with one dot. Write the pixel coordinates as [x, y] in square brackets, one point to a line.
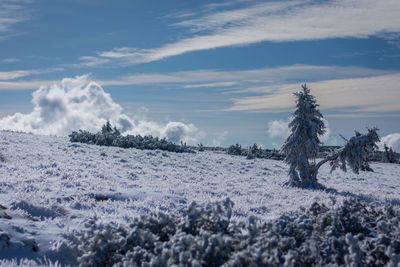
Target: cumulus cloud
[391, 140]
[219, 138]
[79, 103]
[280, 129]
[173, 131]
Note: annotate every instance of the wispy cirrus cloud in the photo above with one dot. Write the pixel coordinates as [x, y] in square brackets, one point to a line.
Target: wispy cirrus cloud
[279, 21]
[264, 76]
[353, 95]
[352, 91]
[209, 85]
[10, 60]
[15, 74]
[12, 12]
[234, 82]
[10, 75]
[24, 85]
[89, 61]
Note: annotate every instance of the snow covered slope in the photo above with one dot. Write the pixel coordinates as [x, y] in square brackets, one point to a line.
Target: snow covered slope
[50, 187]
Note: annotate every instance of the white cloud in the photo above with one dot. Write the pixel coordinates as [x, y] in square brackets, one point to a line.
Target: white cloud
[11, 75]
[219, 138]
[12, 12]
[219, 84]
[88, 61]
[80, 103]
[370, 94]
[280, 129]
[356, 91]
[10, 60]
[173, 131]
[217, 78]
[24, 85]
[279, 21]
[391, 140]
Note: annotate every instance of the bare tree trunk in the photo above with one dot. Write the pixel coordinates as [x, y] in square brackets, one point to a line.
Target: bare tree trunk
[293, 177]
[314, 170]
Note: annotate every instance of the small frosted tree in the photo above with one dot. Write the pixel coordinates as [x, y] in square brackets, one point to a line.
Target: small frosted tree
[107, 128]
[353, 154]
[301, 146]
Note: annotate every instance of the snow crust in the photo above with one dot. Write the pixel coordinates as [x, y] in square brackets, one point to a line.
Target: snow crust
[50, 188]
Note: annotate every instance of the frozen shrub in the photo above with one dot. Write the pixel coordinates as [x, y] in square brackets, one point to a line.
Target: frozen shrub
[255, 152]
[200, 147]
[110, 136]
[235, 150]
[82, 137]
[352, 234]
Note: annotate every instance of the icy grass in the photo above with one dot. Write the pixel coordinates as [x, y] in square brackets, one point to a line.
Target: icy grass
[52, 188]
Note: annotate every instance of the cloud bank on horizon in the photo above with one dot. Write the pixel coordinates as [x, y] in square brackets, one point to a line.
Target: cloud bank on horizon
[79, 103]
[391, 140]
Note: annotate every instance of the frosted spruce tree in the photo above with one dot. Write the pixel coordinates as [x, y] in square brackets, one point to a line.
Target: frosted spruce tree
[301, 146]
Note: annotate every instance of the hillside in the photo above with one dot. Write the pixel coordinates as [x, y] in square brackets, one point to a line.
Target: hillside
[50, 188]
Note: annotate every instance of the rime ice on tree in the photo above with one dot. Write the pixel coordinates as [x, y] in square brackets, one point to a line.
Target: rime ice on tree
[301, 146]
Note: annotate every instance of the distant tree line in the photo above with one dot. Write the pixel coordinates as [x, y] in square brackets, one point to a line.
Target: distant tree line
[111, 136]
[302, 148]
[254, 151]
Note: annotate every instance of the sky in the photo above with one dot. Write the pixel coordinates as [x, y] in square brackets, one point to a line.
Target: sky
[210, 72]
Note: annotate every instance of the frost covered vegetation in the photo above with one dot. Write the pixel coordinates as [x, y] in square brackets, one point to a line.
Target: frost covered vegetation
[110, 136]
[254, 151]
[302, 145]
[57, 199]
[352, 234]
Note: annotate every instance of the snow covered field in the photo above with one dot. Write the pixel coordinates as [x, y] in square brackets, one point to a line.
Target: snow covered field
[50, 187]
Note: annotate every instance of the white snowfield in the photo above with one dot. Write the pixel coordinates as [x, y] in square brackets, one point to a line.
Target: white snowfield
[50, 187]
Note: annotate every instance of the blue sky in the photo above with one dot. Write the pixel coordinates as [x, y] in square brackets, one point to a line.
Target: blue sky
[225, 69]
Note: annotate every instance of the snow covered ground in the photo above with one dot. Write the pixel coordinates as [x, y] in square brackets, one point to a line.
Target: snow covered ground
[50, 187]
